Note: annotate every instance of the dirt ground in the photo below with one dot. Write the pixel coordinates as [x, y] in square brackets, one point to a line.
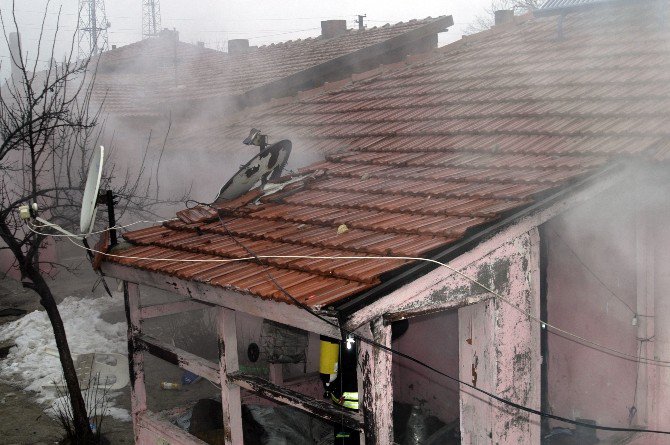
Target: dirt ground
[24, 421]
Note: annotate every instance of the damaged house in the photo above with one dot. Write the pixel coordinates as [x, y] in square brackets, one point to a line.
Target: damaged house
[504, 196]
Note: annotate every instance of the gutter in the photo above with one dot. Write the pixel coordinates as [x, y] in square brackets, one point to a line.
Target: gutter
[396, 279]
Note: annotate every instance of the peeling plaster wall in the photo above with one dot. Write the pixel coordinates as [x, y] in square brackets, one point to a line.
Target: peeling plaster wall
[500, 347]
[433, 339]
[496, 348]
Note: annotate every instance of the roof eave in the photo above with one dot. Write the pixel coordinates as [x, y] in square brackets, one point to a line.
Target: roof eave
[524, 219]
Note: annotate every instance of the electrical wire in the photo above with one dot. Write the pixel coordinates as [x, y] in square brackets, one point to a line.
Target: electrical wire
[116, 227]
[544, 324]
[595, 276]
[407, 356]
[392, 351]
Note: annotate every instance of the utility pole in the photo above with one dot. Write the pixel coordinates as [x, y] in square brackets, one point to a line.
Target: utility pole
[151, 18]
[92, 29]
[361, 27]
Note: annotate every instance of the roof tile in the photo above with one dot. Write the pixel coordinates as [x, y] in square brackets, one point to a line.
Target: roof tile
[420, 154]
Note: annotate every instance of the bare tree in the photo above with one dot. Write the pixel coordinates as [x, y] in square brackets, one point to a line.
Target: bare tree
[48, 128]
[484, 22]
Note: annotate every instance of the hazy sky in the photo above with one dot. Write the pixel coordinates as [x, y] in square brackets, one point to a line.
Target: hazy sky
[214, 22]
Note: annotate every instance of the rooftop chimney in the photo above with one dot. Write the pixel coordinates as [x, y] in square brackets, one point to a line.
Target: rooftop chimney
[15, 54]
[238, 46]
[333, 28]
[503, 16]
[171, 34]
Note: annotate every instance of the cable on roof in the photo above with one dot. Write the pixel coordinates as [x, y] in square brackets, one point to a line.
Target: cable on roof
[545, 325]
[390, 350]
[116, 227]
[426, 365]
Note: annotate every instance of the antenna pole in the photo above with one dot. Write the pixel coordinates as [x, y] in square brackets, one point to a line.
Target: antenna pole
[109, 200]
[361, 27]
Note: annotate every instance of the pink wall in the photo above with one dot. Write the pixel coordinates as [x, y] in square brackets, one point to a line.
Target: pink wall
[659, 349]
[603, 233]
[433, 339]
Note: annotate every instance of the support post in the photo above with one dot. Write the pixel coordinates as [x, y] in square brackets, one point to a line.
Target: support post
[277, 374]
[500, 352]
[138, 393]
[231, 403]
[375, 387]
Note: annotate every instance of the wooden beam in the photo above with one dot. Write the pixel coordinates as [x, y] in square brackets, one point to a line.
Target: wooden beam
[175, 307]
[231, 403]
[320, 408]
[154, 431]
[276, 373]
[138, 392]
[183, 359]
[272, 310]
[418, 296]
[375, 385]
[453, 301]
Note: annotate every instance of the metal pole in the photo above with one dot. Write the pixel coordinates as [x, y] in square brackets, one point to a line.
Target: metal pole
[109, 199]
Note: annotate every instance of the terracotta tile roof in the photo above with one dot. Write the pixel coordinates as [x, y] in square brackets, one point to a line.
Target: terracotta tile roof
[420, 155]
[141, 78]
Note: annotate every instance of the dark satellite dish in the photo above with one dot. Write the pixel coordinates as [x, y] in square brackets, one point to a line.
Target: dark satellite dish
[267, 165]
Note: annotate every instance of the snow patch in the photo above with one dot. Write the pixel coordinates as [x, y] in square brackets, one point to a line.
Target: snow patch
[33, 363]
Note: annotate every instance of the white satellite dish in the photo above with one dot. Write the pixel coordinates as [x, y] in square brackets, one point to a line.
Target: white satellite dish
[268, 164]
[90, 199]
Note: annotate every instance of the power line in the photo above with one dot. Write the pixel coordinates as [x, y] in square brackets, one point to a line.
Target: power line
[544, 324]
[392, 351]
[595, 276]
[411, 358]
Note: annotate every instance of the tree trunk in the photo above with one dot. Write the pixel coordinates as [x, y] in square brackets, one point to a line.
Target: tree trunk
[79, 414]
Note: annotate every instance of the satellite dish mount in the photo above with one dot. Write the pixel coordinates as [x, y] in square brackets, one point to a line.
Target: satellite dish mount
[90, 201]
[265, 166]
[256, 138]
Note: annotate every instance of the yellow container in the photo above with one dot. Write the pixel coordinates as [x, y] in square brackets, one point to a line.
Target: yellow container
[329, 357]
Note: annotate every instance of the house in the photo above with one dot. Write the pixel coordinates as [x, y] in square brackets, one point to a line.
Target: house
[150, 86]
[162, 75]
[507, 195]
[178, 92]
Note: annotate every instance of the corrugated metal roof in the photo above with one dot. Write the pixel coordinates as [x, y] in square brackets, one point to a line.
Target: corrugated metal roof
[423, 153]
